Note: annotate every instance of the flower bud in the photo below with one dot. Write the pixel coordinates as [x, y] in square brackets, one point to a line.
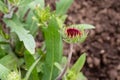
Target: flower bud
[42, 14]
[73, 34]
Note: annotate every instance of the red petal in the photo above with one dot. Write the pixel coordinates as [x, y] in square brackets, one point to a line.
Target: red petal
[72, 32]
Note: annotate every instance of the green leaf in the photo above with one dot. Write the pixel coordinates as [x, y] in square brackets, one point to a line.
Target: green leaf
[30, 24]
[84, 26]
[61, 21]
[2, 52]
[24, 2]
[26, 5]
[3, 72]
[3, 34]
[9, 61]
[79, 64]
[42, 3]
[80, 76]
[34, 3]
[29, 60]
[53, 43]
[58, 66]
[62, 6]
[3, 7]
[23, 34]
[42, 60]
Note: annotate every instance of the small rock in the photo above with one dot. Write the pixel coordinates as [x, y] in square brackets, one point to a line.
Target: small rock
[102, 51]
[96, 61]
[113, 74]
[90, 62]
[118, 67]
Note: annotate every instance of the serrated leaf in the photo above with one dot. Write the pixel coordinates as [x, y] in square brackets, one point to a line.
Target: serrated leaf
[53, 43]
[23, 34]
[79, 64]
[3, 7]
[84, 26]
[62, 6]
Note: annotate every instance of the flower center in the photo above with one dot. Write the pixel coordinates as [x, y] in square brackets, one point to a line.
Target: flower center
[72, 32]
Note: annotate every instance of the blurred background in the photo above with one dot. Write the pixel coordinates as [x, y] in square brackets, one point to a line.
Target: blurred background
[103, 43]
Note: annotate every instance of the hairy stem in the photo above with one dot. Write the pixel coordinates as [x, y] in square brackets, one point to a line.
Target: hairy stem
[67, 65]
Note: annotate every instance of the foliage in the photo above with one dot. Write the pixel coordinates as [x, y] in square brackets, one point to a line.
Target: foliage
[20, 59]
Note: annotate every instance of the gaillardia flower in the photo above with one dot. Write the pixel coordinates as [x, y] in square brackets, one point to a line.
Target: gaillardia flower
[73, 34]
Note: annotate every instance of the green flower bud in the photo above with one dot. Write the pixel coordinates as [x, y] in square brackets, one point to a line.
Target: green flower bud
[42, 15]
[73, 34]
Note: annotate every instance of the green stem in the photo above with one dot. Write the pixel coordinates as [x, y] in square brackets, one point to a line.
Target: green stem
[67, 65]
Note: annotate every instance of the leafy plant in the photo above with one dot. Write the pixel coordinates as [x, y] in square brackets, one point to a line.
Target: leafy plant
[20, 59]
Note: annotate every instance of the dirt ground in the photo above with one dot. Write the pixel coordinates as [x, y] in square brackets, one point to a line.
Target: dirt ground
[103, 43]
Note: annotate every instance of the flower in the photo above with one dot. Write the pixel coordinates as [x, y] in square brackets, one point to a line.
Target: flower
[73, 34]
